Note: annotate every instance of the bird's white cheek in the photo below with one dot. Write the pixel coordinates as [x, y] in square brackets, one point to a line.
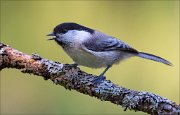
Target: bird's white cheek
[74, 38]
[82, 36]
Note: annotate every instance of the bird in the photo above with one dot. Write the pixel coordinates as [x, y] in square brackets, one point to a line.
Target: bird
[95, 49]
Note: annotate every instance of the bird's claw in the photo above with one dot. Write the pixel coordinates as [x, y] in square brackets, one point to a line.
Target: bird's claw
[74, 65]
[99, 79]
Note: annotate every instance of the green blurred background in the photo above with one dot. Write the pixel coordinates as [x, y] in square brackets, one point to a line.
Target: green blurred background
[149, 26]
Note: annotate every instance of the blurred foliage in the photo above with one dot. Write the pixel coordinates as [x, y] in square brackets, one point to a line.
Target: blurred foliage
[149, 26]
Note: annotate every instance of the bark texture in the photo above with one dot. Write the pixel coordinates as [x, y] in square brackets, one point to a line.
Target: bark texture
[71, 77]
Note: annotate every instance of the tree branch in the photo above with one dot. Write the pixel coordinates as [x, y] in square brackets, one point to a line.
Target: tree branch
[71, 77]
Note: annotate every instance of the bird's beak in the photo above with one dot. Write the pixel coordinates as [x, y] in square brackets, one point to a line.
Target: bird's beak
[51, 38]
[51, 34]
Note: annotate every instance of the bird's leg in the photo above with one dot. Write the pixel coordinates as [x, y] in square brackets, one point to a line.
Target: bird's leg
[102, 74]
[101, 77]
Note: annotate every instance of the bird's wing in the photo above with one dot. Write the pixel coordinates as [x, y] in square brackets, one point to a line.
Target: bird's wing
[107, 43]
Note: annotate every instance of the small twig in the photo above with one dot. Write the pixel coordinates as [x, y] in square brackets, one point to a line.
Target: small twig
[71, 77]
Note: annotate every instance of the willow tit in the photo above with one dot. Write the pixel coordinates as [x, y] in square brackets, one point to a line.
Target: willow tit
[94, 49]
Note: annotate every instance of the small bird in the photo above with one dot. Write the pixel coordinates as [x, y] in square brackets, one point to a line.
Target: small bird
[94, 49]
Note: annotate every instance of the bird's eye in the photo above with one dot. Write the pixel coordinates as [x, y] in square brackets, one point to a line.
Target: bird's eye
[64, 30]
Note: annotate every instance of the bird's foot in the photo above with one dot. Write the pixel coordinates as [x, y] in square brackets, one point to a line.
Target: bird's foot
[99, 79]
[74, 65]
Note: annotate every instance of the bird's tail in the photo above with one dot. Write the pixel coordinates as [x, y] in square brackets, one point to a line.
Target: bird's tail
[154, 58]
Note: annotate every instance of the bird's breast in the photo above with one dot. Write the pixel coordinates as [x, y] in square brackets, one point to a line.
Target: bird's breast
[83, 58]
[95, 59]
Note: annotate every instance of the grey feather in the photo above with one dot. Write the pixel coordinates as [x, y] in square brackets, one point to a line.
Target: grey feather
[101, 42]
[154, 58]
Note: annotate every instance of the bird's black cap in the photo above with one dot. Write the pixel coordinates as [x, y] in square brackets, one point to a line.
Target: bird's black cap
[64, 27]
